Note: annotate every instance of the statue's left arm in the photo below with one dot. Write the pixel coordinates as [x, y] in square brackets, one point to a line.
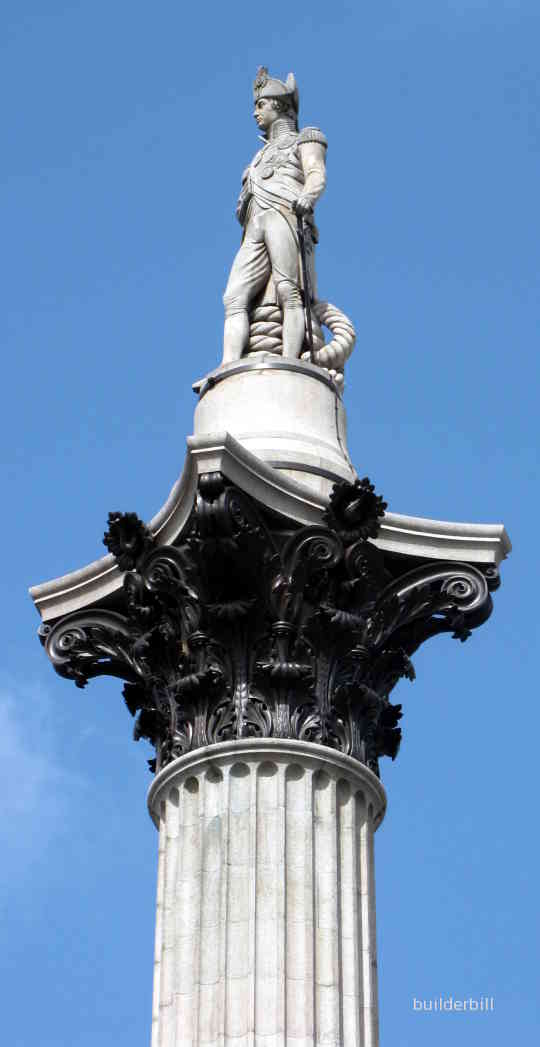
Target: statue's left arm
[312, 147]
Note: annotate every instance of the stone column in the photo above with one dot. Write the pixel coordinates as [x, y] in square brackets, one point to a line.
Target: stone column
[265, 933]
[258, 657]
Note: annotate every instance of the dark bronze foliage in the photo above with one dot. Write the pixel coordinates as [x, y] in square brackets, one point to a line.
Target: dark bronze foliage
[127, 538]
[355, 510]
[241, 631]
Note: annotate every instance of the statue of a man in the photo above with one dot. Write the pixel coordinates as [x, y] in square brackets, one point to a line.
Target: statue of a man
[283, 182]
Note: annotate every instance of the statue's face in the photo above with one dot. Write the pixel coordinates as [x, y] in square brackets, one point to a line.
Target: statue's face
[265, 114]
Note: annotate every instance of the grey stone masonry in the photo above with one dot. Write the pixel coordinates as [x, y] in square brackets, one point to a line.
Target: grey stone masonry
[260, 623]
[265, 928]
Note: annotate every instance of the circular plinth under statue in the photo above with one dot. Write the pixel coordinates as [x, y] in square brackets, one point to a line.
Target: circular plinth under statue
[289, 413]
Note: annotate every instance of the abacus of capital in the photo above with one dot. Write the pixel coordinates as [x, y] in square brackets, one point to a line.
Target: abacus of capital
[260, 622]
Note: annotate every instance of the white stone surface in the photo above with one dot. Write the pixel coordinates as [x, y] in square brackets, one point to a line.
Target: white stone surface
[474, 543]
[265, 932]
[287, 413]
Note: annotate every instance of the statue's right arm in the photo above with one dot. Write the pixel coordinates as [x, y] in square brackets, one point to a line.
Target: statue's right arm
[244, 198]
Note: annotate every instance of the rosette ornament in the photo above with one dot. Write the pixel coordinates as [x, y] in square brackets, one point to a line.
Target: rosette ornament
[250, 625]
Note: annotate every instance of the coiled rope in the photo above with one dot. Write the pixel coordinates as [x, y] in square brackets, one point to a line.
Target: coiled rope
[266, 335]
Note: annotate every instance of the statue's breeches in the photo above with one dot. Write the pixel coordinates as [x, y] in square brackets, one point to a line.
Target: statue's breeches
[269, 247]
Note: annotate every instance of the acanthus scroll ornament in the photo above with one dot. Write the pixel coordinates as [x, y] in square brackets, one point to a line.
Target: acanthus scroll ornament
[248, 629]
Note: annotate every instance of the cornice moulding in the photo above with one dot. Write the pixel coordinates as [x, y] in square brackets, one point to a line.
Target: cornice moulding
[404, 535]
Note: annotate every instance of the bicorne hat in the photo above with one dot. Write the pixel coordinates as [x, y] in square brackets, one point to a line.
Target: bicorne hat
[266, 86]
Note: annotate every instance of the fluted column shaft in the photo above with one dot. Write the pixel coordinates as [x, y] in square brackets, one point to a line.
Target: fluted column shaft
[265, 931]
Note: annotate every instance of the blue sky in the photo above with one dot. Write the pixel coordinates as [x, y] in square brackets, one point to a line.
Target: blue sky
[125, 129]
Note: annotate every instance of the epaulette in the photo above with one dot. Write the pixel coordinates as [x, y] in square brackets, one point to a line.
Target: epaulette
[312, 134]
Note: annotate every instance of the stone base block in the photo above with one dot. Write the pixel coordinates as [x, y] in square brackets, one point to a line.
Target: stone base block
[288, 413]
